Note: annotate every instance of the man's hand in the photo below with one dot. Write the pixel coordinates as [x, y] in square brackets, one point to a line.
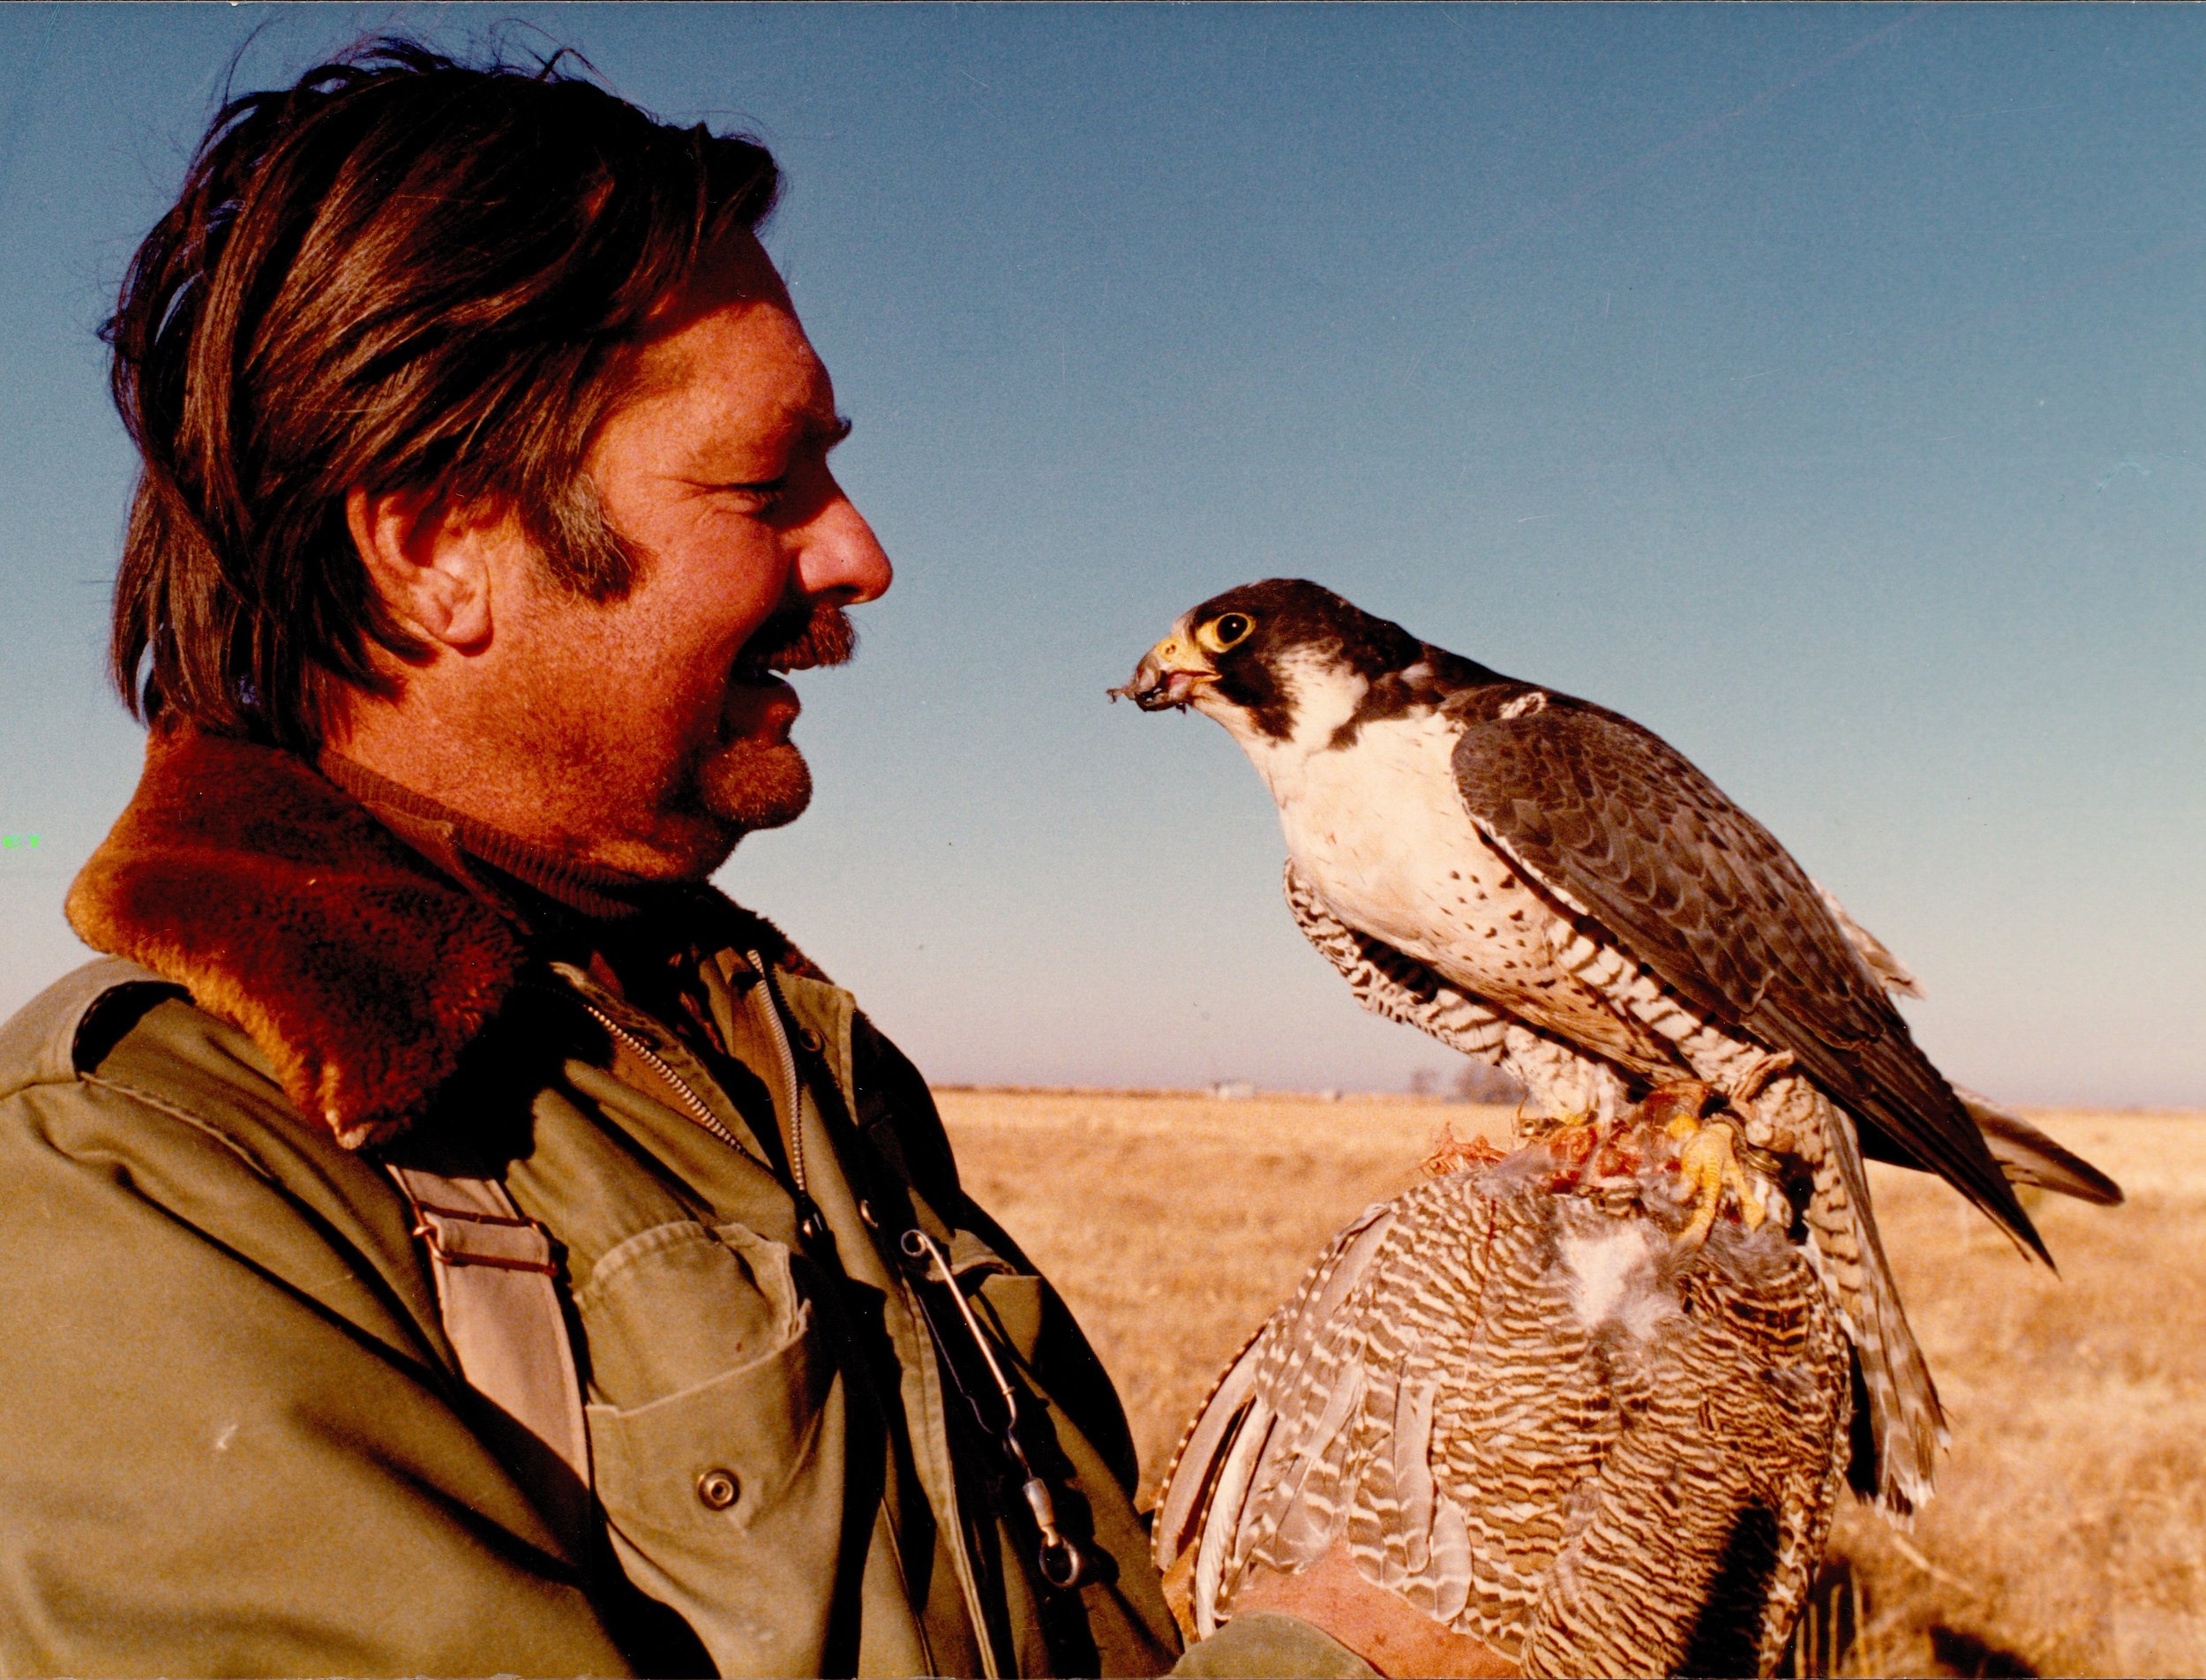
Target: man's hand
[1381, 1626]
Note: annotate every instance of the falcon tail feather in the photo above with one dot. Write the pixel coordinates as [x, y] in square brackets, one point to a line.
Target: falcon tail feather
[1907, 1421]
[2027, 1155]
[1890, 1085]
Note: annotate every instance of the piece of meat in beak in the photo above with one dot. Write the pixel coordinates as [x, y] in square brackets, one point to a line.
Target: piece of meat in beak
[1168, 675]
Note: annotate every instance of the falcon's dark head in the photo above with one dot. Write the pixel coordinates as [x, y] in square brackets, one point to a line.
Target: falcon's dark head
[1258, 657]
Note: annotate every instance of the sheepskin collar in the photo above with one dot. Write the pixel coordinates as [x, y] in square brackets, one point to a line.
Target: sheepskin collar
[282, 905]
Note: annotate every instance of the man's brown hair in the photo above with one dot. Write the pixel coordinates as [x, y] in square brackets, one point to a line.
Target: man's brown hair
[401, 273]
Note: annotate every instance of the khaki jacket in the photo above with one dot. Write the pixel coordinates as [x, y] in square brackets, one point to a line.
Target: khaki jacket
[233, 1436]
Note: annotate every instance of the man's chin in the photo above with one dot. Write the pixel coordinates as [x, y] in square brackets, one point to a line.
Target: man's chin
[750, 785]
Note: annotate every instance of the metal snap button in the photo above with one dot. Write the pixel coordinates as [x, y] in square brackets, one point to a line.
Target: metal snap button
[810, 1039]
[716, 1490]
[865, 1213]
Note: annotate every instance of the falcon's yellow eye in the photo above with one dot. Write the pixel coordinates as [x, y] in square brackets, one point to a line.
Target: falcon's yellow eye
[1224, 632]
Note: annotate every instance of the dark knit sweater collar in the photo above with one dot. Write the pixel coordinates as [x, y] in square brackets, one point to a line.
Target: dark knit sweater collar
[460, 844]
[285, 903]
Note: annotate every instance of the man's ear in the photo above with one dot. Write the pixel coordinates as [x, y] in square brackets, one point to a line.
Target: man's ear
[431, 560]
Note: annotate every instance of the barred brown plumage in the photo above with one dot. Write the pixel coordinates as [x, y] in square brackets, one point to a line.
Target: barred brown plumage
[1521, 1402]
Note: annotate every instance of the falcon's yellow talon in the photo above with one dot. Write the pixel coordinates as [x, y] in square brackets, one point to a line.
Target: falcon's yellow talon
[1707, 1167]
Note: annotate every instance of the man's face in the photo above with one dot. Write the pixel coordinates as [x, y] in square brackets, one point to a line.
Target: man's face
[670, 732]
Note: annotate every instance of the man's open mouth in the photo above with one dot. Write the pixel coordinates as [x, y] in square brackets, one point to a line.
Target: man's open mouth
[749, 672]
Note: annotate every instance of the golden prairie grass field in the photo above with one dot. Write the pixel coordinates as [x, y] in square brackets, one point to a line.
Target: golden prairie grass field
[2068, 1533]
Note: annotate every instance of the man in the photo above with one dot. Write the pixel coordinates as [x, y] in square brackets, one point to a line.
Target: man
[447, 1236]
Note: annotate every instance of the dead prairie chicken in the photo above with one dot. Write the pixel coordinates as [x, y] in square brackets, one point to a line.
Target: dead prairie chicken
[1539, 1399]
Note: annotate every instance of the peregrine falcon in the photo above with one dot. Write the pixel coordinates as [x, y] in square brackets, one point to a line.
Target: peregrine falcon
[1543, 884]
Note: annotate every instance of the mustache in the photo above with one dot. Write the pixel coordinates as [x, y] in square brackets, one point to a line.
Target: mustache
[801, 638]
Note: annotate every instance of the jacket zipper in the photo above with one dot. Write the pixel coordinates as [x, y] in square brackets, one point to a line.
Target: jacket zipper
[777, 1034]
[659, 1065]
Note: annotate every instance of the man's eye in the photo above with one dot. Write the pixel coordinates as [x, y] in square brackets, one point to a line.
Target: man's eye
[762, 493]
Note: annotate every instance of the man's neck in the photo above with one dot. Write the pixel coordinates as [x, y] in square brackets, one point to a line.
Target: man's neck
[455, 841]
[538, 789]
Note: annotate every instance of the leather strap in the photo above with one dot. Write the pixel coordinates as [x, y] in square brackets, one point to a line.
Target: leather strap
[497, 1294]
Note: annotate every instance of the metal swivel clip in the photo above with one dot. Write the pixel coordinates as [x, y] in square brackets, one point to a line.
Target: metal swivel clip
[1063, 1564]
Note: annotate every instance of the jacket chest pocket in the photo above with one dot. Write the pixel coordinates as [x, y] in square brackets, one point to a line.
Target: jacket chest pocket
[716, 1433]
[1013, 1303]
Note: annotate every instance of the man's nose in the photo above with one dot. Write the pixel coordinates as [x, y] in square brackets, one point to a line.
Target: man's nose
[841, 556]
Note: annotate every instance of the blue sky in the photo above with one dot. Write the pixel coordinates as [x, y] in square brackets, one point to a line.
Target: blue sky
[1821, 386]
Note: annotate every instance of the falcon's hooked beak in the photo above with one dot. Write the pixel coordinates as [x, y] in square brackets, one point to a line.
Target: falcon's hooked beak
[1168, 674]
